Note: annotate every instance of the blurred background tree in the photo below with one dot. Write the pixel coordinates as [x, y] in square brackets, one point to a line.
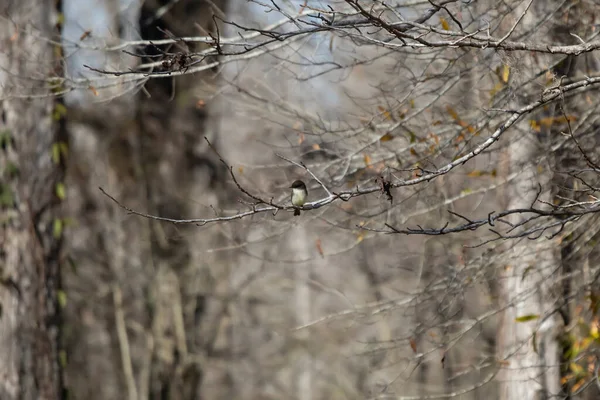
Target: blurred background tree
[448, 249]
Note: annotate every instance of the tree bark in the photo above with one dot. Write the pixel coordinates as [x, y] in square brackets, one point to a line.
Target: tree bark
[142, 311]
[529, 349]
[30, 230]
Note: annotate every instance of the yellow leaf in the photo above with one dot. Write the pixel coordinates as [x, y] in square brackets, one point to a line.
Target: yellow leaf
[576, 368]
[505, 73]
[474, 174]
[586, 342]
[93, 90]
[497, 87]
[445, 24]
[385, 112]
[316, 147]
[241, 170]
[535, 126]
[594, 329]
[549, 121]
[527, 318]
[301, 138]
[60, 19]
[367, 160]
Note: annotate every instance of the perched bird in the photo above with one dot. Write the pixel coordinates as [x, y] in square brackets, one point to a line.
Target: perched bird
[299, 195]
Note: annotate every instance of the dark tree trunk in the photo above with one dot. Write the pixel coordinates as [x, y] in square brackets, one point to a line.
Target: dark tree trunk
[137, 327]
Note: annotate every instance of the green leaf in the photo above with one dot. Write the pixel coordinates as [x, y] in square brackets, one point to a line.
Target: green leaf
[72, 264]
[59, 111]
[526, 272]
[534, 342]
[7, 198]
[55, 153]
[61, 297]
[69, 221]
[59, 151]
[57, 228]
[61, 192]
[413, 137]
[56, 85]
[5, 138]
[62, 358]
[526, 318]
[11, 170]
[64, 149]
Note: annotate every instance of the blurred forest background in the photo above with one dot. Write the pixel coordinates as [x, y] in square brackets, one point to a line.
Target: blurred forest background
[449, 249]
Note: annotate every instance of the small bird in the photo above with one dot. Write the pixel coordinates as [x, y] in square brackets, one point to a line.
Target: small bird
[299, 195]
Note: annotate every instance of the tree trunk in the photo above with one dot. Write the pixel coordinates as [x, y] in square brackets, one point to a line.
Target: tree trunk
[143, 306]
[529, 348]
[527, 339]
[30, 231]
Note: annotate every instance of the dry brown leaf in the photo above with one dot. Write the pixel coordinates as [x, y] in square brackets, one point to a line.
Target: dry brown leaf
[452, 112]
[301, 138]
[413, 344]
[319, 247]
[386, 138]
